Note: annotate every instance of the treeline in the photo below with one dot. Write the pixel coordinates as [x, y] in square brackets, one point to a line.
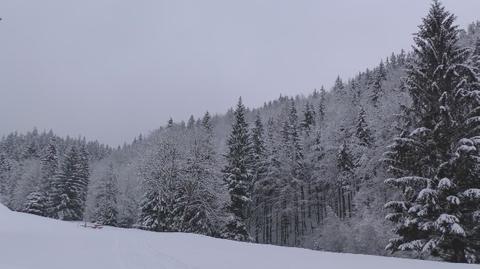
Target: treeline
[304, 171]
[46, 175]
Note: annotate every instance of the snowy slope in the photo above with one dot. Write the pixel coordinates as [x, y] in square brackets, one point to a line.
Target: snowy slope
[31, 242]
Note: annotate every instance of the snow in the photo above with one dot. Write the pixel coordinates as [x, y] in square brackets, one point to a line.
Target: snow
[472, 193]
[420, 131]
[454, 200]
[32, 242]
[449, 224]
[428, 195]
[445, 184]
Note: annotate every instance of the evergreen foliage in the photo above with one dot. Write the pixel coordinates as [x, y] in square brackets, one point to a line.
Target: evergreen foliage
[238, 176]
[70, 186]
[106, 208]
[436, 163]
[35, 204]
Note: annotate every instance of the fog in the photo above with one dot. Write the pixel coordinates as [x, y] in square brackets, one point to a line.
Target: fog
[111, 69]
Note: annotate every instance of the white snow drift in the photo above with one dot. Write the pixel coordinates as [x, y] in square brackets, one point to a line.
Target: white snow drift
[31, 242]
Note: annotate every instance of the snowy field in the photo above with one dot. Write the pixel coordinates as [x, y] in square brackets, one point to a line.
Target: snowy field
[31, 242]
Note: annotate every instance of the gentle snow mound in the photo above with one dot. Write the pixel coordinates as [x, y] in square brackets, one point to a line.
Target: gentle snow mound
[31, 242]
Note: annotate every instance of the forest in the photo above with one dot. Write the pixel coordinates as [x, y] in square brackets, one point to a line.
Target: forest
[384, 163]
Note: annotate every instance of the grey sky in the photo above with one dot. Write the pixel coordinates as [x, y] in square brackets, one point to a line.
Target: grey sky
[110, 69]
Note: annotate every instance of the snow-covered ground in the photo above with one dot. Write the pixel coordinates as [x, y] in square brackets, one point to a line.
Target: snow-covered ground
[31, 242]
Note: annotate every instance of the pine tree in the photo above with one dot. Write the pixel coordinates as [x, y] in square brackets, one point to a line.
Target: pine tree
[31, 150]
[339, 91]
[308, 118]
[291, 139]
[49, 166]
[268, 186]
[4, 178]
[207, 123]
[106, 210]
[83, 171]
[170, 123]
[434, 165]
[238, 176]
[393, 60]
[68, 191]
[293, 177]
[151, 210]
[321, 106]
[356, 92]
[258, 149]
[345, 182]
[259, 175]
[35, 204]
[379, 76]
[191, 123]
[362, 131]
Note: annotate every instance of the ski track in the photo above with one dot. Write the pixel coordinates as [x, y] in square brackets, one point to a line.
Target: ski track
[138, 252]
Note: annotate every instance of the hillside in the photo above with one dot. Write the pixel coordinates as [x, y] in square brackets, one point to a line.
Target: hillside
[41, 239]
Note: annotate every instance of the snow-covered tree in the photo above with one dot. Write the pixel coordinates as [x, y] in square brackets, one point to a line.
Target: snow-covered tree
[70, 186]
[308, 118]
[435, 164]
[49, 166]
[35, 204]
[238, 176]
[260, 167]
[321, 106]
[379, 75]
[5, 184]
[83, 172]
[197, 206]
[362, 131]
[161, 173]
[106, 207]
[345, 182]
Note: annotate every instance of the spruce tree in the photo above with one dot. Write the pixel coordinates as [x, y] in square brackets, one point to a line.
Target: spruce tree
[191, 123]
[362, 131]
[207, 123]
[170, 123]
[435, 163]
[4, 177]
[259, 175]
[258, 150]
[83, 171]
[308, 118]
[106, 209]
[69, 188]
[151, 211]
[291, 139]
[49, 166]
[339, 90]
[238, 176]
[268, 187]
[293, 177]
[379, 75]
[35, 204]
[322, 106]
[345, 182]
[393, 60]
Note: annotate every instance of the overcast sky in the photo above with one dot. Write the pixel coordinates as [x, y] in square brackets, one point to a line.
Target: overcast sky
[111, 69]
